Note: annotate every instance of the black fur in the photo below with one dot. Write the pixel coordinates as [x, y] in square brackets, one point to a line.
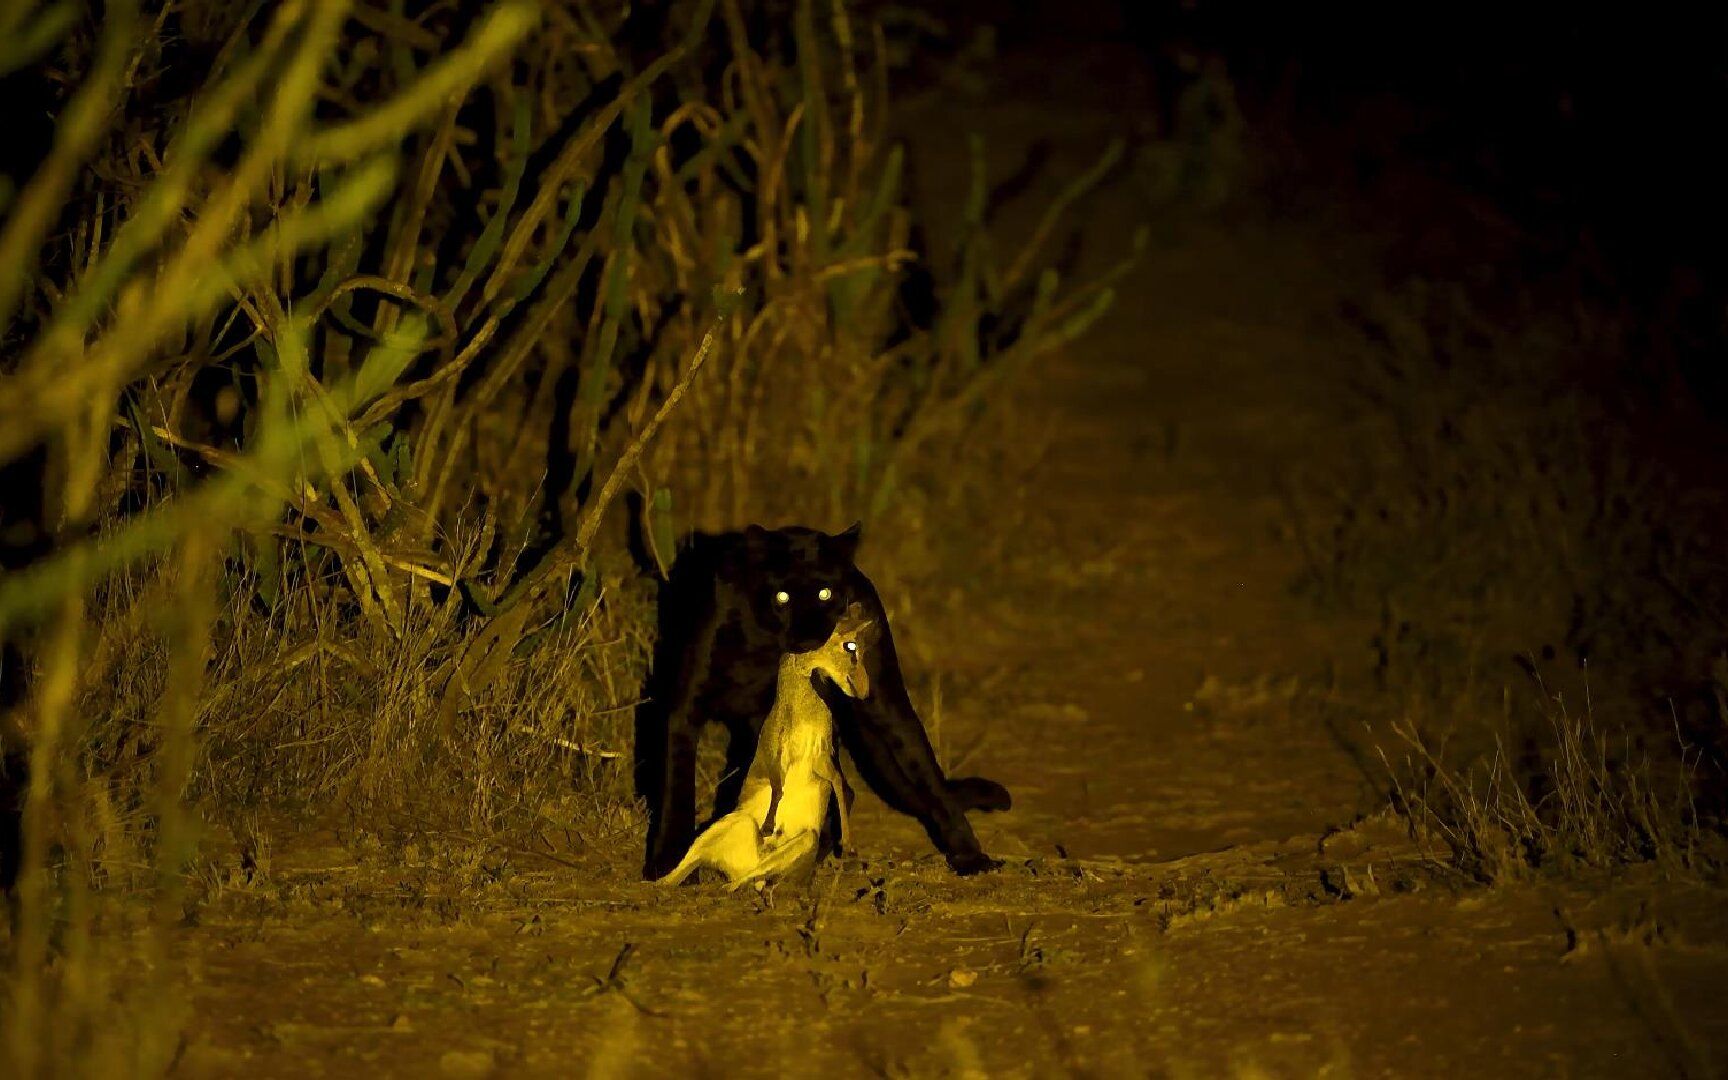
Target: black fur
[721, 639]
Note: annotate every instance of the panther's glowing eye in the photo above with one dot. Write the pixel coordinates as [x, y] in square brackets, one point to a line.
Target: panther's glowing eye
[782, 597]
[824, 593]
[851, 646]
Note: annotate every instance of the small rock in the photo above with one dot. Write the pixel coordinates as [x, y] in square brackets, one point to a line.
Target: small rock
[961, 978]
[402, 1023]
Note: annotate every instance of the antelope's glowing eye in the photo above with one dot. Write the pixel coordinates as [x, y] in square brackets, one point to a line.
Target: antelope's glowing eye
[852, 647]
[824, 593]
[782, 597]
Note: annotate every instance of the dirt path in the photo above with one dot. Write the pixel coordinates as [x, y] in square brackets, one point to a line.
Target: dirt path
[1169, 907]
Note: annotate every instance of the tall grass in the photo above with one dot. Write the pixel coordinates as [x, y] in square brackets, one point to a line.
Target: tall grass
[333, 372]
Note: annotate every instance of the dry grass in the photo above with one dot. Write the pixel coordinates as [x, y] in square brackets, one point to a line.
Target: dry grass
[333, 373]
[1505, 518]
[1585, 794]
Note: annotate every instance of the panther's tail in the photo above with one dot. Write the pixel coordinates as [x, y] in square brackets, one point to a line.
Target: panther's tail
[977, 793]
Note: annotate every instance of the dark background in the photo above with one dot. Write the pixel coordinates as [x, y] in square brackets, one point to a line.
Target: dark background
[1595, 131]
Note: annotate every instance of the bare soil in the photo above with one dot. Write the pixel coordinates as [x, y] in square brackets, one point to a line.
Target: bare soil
[1199, 879]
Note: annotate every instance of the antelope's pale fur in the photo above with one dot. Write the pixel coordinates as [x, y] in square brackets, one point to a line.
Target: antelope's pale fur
[776, 830]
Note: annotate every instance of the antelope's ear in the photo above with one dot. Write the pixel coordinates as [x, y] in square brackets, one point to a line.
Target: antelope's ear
[846, 544]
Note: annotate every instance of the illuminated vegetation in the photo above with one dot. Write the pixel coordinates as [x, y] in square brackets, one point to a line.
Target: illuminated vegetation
[333, 372]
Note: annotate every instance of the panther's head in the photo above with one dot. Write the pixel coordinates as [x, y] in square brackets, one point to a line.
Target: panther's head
[796, 580]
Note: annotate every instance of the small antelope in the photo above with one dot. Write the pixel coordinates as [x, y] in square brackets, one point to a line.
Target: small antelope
[776, 831]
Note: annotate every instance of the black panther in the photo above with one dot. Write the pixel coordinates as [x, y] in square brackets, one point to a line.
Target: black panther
[732, 605]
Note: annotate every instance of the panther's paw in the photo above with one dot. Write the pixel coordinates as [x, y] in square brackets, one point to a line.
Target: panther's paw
[975, 862]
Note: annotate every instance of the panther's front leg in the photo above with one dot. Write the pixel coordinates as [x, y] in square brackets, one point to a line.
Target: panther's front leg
[893, 754]
[895, 758]
[672, 803]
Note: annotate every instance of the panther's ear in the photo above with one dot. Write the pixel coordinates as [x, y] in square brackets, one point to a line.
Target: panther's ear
[846, 544]
[754, 537]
